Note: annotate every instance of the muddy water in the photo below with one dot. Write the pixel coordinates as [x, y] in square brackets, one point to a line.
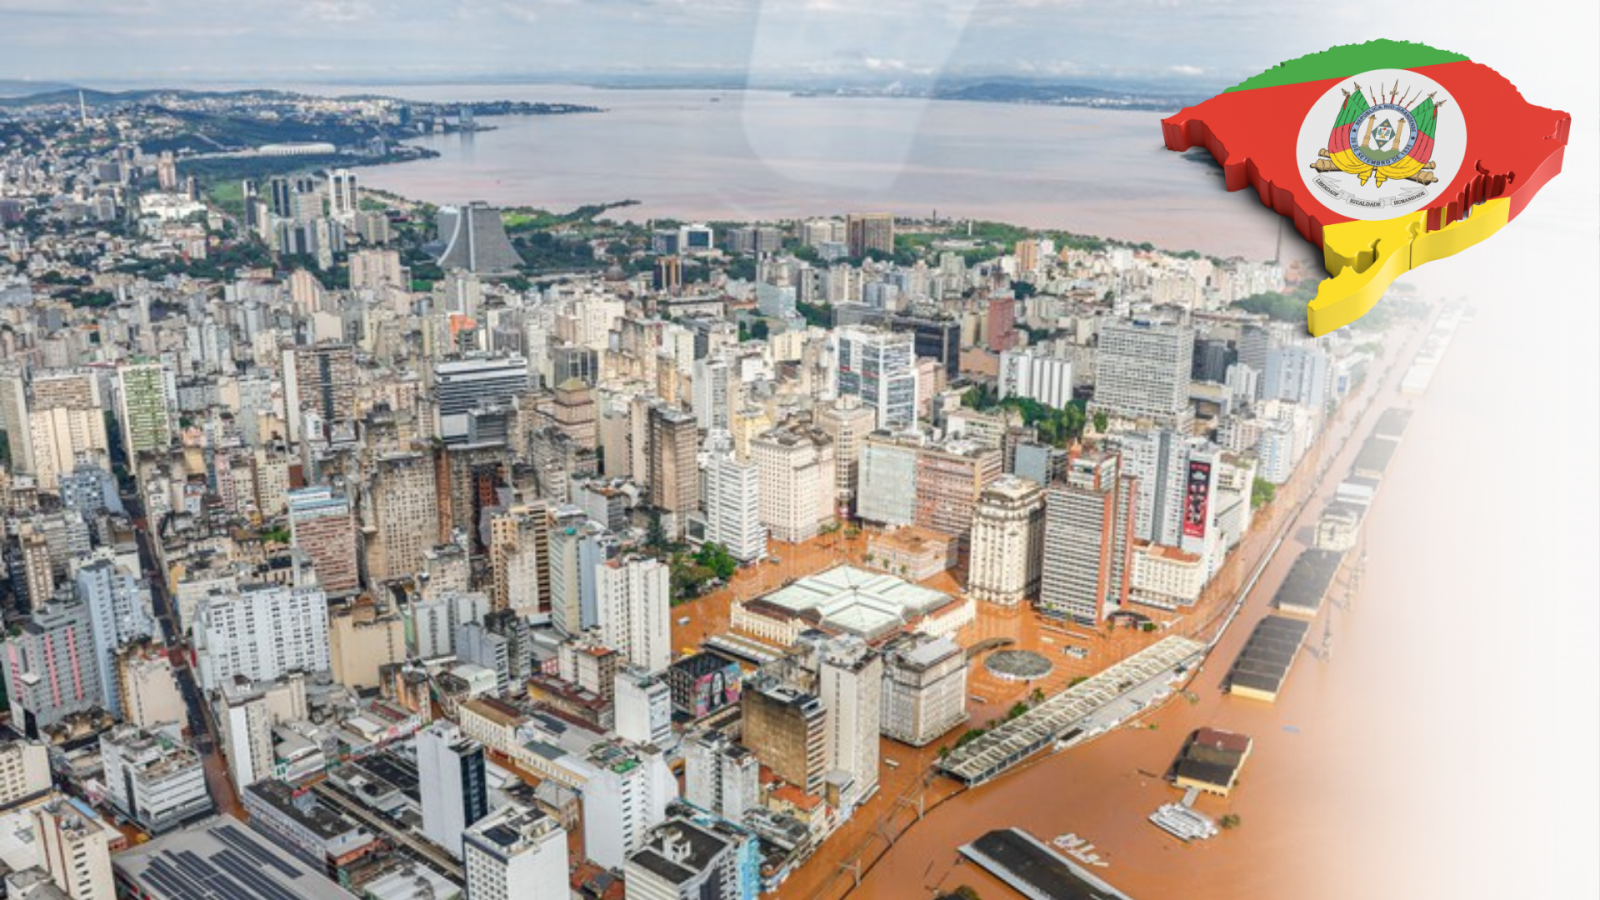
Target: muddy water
[1293, 799]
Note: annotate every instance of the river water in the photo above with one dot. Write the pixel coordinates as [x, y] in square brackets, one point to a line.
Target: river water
[747, 155]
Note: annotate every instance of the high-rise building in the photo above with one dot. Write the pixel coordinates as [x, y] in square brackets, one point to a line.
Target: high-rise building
[462, 386]
[1142, 371]
[516, 852]
[1007, 542]
[344, 199]
[14, 418]
[847, 422]
[1297, 374]
[674, 474]
[143, 410]
[118, 602]
[721, 776]
[924, 688]
[880, 367]
[1035, 376]
[261, 632]
[788, 730]
[733, 508]
[869, 232]
[1088, 540]
[717, 392]
[850, 682]
[363, 638]
[402, 515]
[950, 478]
[797, 481]
[474, 238]
[627, 795]
[643, 707]
[74, 848]
[322, 525]
[24, 772]
[519, 559]
[373, 270]
[50, 670]
[455, 793]
[245, 719]
[683, 860]
[1177, 483]
[887, 486]
[321, 378]
[635, 607]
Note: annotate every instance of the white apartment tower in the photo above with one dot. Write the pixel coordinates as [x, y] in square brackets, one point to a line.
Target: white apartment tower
[635, 607]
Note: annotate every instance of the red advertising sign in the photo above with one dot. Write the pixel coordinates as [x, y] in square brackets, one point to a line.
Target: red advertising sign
[1196, 499]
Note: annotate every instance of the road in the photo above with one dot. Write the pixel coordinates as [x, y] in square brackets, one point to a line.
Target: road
[201, 728]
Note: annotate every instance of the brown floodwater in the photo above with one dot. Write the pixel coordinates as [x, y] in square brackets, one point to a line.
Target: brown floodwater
[1290, 795]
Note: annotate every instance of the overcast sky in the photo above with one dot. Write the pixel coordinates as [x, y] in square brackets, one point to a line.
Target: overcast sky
[172, 40]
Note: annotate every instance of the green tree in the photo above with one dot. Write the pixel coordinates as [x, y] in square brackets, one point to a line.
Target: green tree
[1262, 492]
[1230, 821]
[1101, 423]
[716, 559]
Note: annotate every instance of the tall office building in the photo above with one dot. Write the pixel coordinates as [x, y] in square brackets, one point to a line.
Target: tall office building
[788, 729]
[850, 682]
[869, 232]
[635, 607]
[1142, 371]
[950, 478]
[50, 670]
[320, 378]
[402, 514]
[674, 473]
[627, 795]
[797, 481]
[455, 793]
[156, 781]
[118, 602]
[143, 410]
[880, 367]
[14, 418]
[344, 200]
[519, 559]
[1296, 373]
[322, 525]
[733, 508]
[74, 849]
[887, 484]
[717, 392]
[24, 771]
[1088, 540]
[475, 383]
[245, 719]
[1177, 483]
[848, 422]
[1007, 542]
[1035, 376]
[721, 776]
[474, 239]
[516, 852]
[261, 632]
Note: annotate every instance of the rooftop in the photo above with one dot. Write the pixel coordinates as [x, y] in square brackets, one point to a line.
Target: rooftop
[220, 859]
[859, 602]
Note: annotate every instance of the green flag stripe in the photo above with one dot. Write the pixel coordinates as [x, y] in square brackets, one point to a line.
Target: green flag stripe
[1426, 114]
[1341, 61]
[1353, 107]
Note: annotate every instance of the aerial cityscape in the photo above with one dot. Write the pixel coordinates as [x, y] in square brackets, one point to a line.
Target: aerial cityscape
[383, 521]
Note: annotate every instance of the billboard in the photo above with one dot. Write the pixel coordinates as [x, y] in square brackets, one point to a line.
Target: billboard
[715, 690]
[1196, 499]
